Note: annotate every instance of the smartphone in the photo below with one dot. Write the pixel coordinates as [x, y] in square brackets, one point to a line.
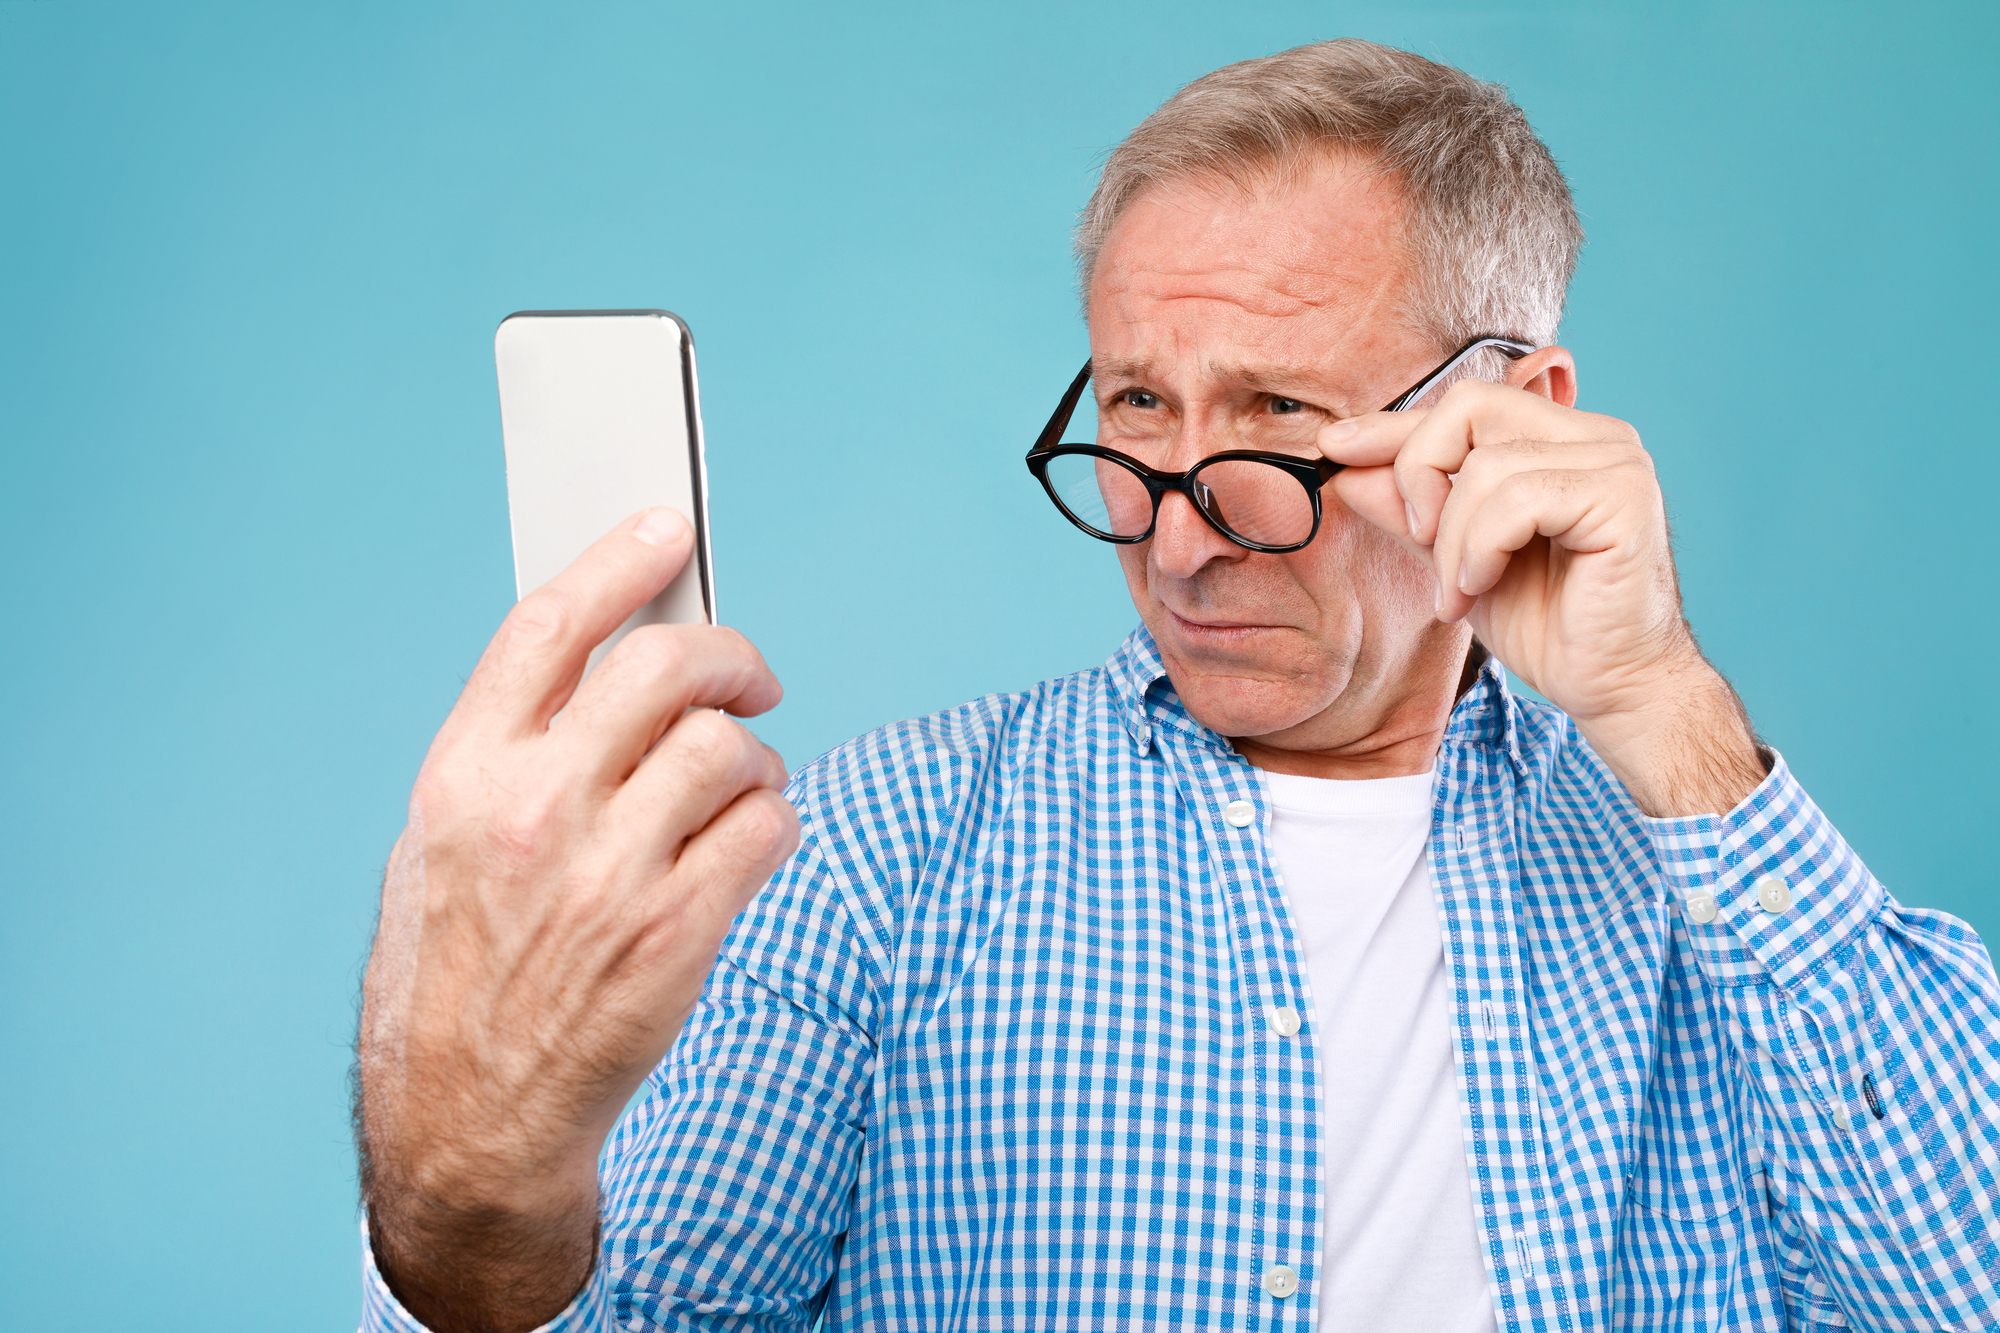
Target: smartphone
[601, 417]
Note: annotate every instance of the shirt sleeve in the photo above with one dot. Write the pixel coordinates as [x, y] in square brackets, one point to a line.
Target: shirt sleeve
[1869, 1036]
[727, 1187]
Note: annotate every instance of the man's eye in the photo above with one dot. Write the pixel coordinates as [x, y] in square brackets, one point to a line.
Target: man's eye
[1282, 405]
[1139, 398]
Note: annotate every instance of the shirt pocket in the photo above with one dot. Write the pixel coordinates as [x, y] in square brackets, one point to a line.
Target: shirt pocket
[1687, 1162]
[1810, 1305]
[1681, 1239]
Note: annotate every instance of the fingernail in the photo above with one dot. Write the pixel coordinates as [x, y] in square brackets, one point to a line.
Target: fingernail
[1341, 430]
[1410, 516]
[659, 527]
[1461, 576]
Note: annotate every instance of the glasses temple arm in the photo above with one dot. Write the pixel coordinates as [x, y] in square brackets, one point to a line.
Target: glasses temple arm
[1052, 433]
[1507, 347]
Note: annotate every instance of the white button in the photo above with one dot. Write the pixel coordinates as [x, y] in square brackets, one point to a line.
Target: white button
[1840, 1118]
[1701, 907]
[1773, 895]
[1285, 1021]
[1281, 1282]
[1239, 813]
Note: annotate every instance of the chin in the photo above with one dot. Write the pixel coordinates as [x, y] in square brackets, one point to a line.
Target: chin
[1246, 705]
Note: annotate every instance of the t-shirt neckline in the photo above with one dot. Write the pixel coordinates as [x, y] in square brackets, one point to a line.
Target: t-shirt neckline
[1294, 794]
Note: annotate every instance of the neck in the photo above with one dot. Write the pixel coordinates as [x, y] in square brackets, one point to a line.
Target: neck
[1391, 740]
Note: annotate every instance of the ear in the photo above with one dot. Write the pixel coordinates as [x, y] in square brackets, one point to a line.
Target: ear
[1549, 372]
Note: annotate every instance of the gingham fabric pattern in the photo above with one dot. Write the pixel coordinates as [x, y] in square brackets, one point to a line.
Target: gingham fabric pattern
[992, 1052]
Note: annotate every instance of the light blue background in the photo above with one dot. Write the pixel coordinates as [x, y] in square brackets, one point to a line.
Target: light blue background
[253, 524]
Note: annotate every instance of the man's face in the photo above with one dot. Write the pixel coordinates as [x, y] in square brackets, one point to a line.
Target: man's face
[1225, 319]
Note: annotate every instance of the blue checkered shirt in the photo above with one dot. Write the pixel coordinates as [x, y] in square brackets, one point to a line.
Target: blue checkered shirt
[991, 1051]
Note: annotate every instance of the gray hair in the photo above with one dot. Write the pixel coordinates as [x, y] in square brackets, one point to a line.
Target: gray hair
[1488, 220]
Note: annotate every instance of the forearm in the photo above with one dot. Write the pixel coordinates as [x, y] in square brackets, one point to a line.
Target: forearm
[482, 1215]
[685, 1182]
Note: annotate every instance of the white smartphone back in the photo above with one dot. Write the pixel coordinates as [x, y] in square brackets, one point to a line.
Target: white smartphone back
[601, 417]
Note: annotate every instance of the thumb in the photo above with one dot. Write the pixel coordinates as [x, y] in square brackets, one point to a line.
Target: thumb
[1371, 492]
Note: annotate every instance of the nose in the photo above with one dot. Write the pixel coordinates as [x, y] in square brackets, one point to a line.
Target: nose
[1183, 542]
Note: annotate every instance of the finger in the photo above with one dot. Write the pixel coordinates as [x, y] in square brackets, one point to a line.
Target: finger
[1435, 452]
[1474, 417]
[1424, 446]
[653, 677]
[738, 850]
[1491, 467]
[1369, 440]
[1371, 493]
[533, 664]
[1368, 444]
[1562, 504]
[720, 870]
[701, 766]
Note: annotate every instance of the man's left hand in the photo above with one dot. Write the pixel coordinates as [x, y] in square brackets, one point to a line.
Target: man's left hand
[1548, 534]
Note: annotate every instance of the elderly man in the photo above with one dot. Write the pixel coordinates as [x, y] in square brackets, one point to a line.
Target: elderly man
[1285, 972]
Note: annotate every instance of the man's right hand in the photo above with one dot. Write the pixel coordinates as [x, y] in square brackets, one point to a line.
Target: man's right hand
[573, 858]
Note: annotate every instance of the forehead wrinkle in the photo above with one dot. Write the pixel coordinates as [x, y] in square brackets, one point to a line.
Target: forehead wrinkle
[1216, 299]
[1273, 292]
[1277, 292]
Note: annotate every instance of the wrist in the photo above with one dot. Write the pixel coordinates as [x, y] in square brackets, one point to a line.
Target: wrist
[477, 1241]
[455, 1264]
[1687, 748]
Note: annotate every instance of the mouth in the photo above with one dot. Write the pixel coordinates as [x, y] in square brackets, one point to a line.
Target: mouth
[1218, 632]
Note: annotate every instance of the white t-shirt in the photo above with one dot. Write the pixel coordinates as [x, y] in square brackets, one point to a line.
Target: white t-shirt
[1402, 1248]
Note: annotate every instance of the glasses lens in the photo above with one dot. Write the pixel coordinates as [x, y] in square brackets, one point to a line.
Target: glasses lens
[1101, 495]
[1256, 502]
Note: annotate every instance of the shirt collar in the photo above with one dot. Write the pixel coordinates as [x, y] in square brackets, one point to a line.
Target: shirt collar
[1134, 669]
[1145, 699]
[1489, 714]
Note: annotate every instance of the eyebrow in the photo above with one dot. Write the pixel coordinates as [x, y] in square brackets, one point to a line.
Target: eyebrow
[1264, 377]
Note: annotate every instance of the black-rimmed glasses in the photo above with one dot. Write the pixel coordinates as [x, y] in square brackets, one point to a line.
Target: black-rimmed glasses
[1258, 499]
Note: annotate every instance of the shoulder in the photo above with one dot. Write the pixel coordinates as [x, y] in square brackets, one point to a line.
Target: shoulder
[887, 810]
[1568, 790]
[1554, 750]
[897, 814]
[1543, 732]
[916, 772]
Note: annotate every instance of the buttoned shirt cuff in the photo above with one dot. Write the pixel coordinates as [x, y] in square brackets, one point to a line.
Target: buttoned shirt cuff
[1786, 889]
[381, 1312]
